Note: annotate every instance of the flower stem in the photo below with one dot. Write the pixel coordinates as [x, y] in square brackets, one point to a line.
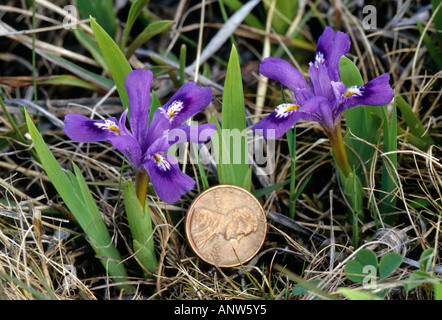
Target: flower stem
[141, 184]
[338, 149]
[349, 180]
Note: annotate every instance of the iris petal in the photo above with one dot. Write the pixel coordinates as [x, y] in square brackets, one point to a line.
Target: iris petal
[159, 126]
[283, 72]
[167, 179]
[138, 83]
[282, 119]
[338, 89]
[332, 46]
[130, 147]
[83, 129]
[186, 102]
[376, 92]
[159, 145]
[320, 110]
[320, 81]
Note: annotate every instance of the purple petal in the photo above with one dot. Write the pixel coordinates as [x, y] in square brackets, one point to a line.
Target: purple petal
[196, 134]
[376, 92]
[130, 147]
[338, 88]
[283, 72]
[186, 102]
[126, 143]
[161, 144]
[331, 47]
[320, 81]
[138, 84]
[82, 129]
[280, 121]
[320, 110]
[159, 125]
[167, 179]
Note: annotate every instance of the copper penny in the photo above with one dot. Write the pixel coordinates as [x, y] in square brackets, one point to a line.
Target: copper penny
[226, 225]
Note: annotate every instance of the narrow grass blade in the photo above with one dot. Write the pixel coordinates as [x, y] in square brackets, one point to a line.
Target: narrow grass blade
[250, 19]
[266, 190]
[224, 167]
[155, 103]
[82, 73]
[357, 206]
[438, 291]
[353, 192]
[432, 50]
[389, 166]
[86, 195]
[103, 11]
[7, 137]
[233, 111]
[34, 69]
[437, 5]
[413, 122]
[55, 80]
[352, 294]
[426, 259]
[150, 31]
[203, 176]
[164, 68]
[183, 54]
[226, 18]
[16, 130]
[118, 64]
[37, 294]
[57, 175]
[134, 11]
[90, 45]
[234, 121]
[286, 8]
[79, 201]
[66, 80]
[291, 140]
[300, 189]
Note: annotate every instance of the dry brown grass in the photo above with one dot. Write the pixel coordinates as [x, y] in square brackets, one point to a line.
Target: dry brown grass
[43, 253]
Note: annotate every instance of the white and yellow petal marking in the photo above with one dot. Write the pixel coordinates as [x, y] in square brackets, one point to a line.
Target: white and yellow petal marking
[174, 108]
[353, 90]
[283, 110]
[161, 162]
[319, 58]
[108, 125]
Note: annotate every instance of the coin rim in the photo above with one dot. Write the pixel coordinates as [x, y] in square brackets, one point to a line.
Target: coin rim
[189, 214]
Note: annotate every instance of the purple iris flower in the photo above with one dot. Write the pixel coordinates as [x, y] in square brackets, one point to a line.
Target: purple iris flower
[325, 97]
[146, 145]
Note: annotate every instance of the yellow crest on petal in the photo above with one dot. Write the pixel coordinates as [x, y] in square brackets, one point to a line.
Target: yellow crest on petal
[174, 108]
[108, 125]
[283, 110]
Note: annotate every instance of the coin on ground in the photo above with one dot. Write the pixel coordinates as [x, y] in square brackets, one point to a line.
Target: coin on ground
[226, 225]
